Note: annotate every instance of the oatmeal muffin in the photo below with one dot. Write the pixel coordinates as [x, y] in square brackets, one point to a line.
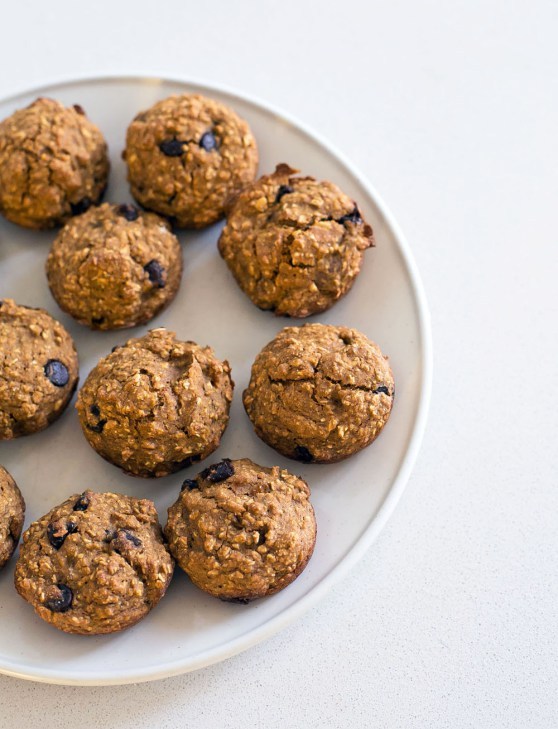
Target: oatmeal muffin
[187, 157]
[38, 369]
[95, 564]
[156, 404]
[53, 164]
[12, 512]
[114, 267]
[319, 393]
[241, 531]
[293, 244]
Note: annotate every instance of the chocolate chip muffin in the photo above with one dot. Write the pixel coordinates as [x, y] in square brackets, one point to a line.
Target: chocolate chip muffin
[53, 164]
[319, 393]
[12, 512]
[156, 405]
[38, 369]
[293, 244]
[241, 531]
[187, 157]
[114, 267]
[95, 564]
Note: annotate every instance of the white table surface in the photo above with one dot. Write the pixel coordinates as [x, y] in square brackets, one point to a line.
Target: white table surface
[451, 109]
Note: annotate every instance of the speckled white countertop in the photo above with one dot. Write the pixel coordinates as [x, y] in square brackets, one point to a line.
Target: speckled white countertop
[451, 109]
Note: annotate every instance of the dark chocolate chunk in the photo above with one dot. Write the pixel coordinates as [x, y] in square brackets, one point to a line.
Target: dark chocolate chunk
[303, 454]
[130, 212]
[97, 320]
[98, 427]
[57, 535]
[185, 462]
[57, 373]
[172, 148]
[189, 483]
[352, 217]
[79, 109]
[81, 206]
[82, 503]
[383, 389]
[60, 599]
[136, 541]
[156, 273]
[236, 600]
[208, 141]
[95, 410]
[218, 471]
[283, 190]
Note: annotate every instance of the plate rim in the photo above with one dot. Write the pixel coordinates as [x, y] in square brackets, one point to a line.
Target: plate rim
[273, 625]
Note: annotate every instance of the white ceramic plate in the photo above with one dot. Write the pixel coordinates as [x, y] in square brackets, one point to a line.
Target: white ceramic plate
[352, 500]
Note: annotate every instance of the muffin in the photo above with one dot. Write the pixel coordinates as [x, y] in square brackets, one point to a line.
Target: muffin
[12, 512]
[95, 564]
[114, 267]
[38, 369]
[293, 244]
[187, 157]
[319, 393]
[156, 404]
[53, 164]
[242, 531]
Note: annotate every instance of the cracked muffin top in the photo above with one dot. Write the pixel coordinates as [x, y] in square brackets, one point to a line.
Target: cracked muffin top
[187, 156]
[53, 164]
[156, 404]
[293, 244]
[95, 564]
[38, 369]
[319, 393]
[12, 512]
[114, 267]
[242, 531]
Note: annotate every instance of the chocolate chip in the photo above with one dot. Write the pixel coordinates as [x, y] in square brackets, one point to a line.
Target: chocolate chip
[57, 535]
[97, 320]
[303, 454]
[172, 148]
[79, 109]
[156, 273]
[185, 462]
[94, 410]
[130, 212]
[236, 600]
[218, 471]
[82, 503]
[136, 541]
[208, 141]
[352, 217]
[116, 346]
[81, 206]
[383, 389]
[57, 372]
[283, 190]
[60, 598]
[189, 483]
[98, 427]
